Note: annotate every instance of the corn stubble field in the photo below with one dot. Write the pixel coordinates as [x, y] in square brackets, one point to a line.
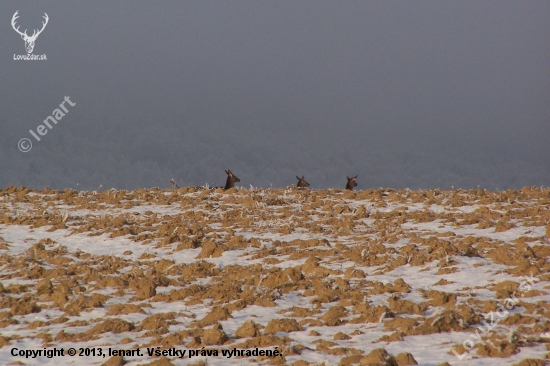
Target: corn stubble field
[329, 277]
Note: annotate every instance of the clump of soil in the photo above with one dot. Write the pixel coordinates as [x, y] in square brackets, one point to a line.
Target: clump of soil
[4, 341]
[217, 314]
[44, 287]
[115, 361]
[503, 226]
[59, 298]
[145, 288]
[341, 337]
[370, 314]
[170, 340]
[111, 325]
[25, 306]
[247, 330]
[445, 322]
[284, 325]
[214, 336]
[119, 309]
[349, 360]
[211, 249]
[378, 356]
[498, 348]
[264, 341]
[531, 362]
[405, 359]
[394, 337]
[351, 272]
[334, 315]
[400, 306]
[85, 302]
[162, 320]
[440, 298]
[400, 323]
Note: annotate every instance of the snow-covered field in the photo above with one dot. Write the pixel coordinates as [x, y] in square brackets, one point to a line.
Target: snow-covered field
[325, 277]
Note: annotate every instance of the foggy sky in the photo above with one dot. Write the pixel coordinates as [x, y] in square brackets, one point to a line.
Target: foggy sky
[418, 94]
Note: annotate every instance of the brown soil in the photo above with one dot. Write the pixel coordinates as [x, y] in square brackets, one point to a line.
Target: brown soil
[348, 247]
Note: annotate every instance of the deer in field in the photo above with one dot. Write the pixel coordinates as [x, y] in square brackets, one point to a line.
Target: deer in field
[351, 182]
[301, 182]
[231, 179]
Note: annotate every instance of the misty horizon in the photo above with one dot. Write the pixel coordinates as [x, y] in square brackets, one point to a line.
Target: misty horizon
[404, 95]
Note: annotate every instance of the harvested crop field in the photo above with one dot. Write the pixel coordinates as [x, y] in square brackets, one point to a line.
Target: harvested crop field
[325, 277]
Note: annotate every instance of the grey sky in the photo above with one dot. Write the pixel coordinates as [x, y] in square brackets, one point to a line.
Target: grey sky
[418, 94]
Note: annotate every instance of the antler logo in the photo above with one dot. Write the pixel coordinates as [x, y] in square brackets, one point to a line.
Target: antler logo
[29, 40]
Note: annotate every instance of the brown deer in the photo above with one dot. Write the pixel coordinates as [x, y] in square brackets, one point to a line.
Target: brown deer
[301, 182]
[351, 182]
[231, 179]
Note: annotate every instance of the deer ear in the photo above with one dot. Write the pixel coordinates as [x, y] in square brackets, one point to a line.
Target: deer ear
[347, 177]
[23, 36]
[303, 177]
[356, 176]
[297, 177]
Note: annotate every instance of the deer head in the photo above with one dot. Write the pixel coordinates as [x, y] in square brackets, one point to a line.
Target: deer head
[351, 182]
[301, 182]
[174, 184]
[29, 40]
[231, 179]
